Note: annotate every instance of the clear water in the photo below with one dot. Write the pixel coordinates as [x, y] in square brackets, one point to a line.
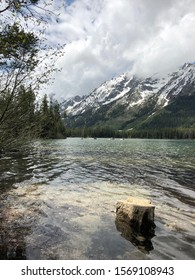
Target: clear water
[58, 200]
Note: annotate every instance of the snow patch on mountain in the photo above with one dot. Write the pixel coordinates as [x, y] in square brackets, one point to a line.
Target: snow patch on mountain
[120, 95]
[132, 91]
[176, 83]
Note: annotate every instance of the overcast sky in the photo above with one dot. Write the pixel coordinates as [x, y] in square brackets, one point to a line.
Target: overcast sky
[105, 38]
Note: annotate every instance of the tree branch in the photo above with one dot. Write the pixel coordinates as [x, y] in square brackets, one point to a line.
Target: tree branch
[5, 9]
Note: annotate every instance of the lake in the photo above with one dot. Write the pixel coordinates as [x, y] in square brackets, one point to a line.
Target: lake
[58, 199]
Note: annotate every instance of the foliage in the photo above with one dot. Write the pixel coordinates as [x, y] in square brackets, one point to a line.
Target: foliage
[96, 132]
[33, 10]
[50, 120]
[164, 133]
[26, 63]
[19, 120]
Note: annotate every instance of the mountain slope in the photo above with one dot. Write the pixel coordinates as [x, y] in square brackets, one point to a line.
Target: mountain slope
[179, 113]
[132, 102]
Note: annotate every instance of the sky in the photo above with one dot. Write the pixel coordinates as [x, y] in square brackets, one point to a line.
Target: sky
[105, 38]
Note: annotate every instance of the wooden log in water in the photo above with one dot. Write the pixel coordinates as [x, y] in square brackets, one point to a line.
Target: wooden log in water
[136, 212]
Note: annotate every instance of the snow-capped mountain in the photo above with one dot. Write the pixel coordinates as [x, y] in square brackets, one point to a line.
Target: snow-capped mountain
[125, 99]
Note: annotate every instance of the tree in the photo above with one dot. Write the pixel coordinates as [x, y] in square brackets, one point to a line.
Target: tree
[35, 10]
[26, 63]
[44, 118]
[19, 122]
[18, 61]
[51, 124]
[59, 129]
[16, 5]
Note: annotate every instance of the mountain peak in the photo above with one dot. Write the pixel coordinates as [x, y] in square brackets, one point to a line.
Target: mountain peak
[125, 97]
[187, 65]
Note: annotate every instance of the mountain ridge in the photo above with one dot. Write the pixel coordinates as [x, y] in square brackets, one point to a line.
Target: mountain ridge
[127, 101]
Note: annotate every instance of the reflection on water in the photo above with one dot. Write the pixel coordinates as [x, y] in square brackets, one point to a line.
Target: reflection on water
[141, 240]
[57, 201]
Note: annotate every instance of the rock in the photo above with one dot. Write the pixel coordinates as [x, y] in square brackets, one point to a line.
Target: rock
[138, 213]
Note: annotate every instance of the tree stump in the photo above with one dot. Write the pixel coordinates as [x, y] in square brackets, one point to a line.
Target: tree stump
[138, 213]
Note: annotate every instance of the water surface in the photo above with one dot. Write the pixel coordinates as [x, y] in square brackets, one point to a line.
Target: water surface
[57, 199]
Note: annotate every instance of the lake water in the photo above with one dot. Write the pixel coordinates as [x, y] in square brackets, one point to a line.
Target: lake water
[58, 199]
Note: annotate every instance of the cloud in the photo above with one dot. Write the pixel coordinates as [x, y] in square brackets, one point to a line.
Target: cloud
[105, 38]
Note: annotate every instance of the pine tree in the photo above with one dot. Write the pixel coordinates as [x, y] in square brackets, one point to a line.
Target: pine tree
[51, 123]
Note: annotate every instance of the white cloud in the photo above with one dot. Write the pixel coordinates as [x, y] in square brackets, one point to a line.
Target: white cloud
[107, 37]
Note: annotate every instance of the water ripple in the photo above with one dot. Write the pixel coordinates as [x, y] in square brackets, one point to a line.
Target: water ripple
[58, 199]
